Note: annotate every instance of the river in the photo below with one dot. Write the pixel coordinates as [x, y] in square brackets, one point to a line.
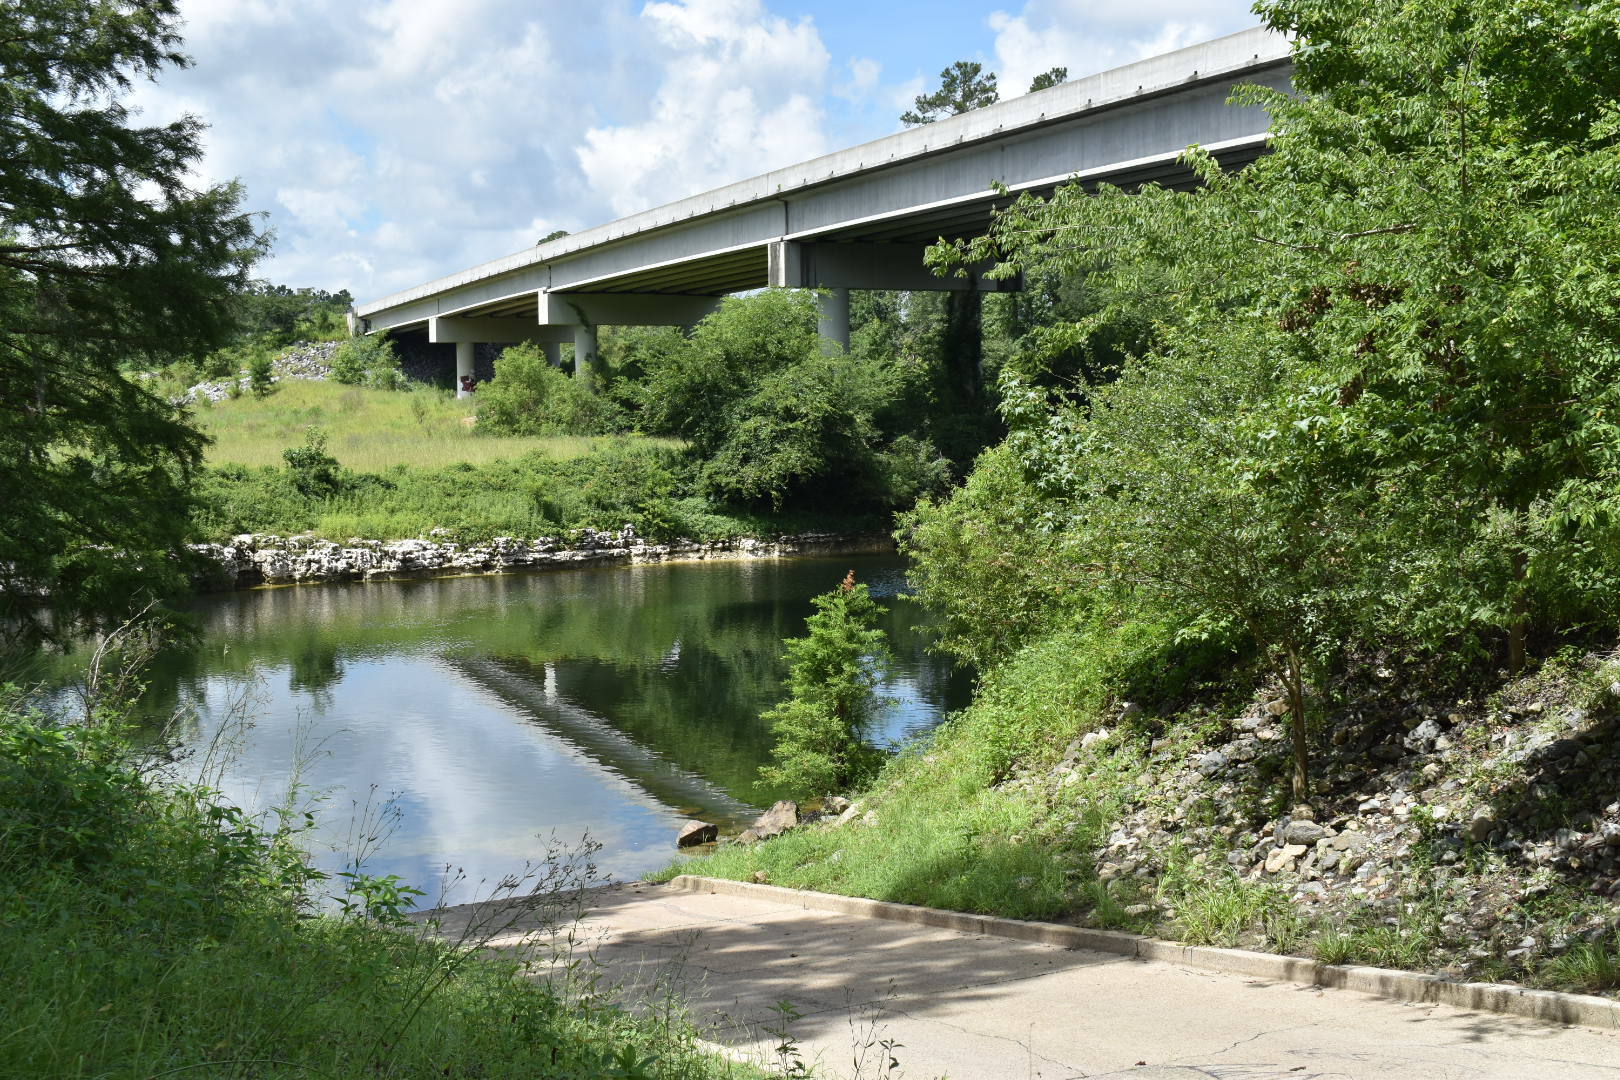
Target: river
[473, 721]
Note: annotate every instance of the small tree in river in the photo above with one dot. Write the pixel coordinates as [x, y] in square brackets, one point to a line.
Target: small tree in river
[831, 696]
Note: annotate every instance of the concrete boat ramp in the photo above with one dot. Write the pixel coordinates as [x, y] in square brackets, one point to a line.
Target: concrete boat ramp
[971, 1006]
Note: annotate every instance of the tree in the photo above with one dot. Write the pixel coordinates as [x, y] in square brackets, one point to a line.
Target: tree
[1048, 79]
[832, 679]
[108, 260]
[771, 420]
[1412, 303]
[963, 86]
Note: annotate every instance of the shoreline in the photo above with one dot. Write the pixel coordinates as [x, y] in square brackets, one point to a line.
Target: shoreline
[264, 560]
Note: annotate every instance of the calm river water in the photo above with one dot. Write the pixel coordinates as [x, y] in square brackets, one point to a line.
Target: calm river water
[494, 713]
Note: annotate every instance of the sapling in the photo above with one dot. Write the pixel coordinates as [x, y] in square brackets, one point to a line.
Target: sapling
[832, 696]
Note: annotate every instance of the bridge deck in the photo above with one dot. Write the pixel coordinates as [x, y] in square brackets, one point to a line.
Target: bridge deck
[1125, 126]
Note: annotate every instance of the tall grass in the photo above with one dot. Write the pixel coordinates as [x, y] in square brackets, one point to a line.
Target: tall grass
[368, 430]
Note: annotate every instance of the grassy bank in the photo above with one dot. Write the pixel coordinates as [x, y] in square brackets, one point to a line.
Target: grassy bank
[390, 464]
[1477, 846]
[150, 930]
[369, 430]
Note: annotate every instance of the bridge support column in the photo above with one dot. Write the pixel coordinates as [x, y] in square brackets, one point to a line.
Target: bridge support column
[585, 354]
[553, 350]
[833, 326]
[464, 367]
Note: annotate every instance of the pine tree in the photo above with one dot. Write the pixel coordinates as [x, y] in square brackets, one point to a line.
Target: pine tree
[831, 696]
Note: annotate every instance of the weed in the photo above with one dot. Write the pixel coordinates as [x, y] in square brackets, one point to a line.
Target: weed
[1588, 967]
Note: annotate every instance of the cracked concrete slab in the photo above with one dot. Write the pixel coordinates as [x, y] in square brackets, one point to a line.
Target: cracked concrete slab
[969, 1006]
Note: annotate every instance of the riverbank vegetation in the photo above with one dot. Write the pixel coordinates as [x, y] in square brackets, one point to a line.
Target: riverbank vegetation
[747, 426]
[1286, 529]
[368, 430]
[150, 929]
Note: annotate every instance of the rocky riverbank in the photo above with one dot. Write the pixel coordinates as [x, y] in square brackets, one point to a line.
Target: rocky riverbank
[1479, 835]
[265, 559]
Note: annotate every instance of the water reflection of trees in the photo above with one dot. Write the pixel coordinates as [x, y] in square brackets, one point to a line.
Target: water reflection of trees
[681, 658]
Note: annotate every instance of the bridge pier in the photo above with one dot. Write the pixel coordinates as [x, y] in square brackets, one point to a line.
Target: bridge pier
[464, 367]
[553, 350]
[585, 354]
[833, 324]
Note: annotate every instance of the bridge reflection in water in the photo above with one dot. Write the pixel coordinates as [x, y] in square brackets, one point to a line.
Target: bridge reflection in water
[496, 711]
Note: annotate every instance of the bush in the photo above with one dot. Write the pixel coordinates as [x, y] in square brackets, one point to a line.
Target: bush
[314, 472]
[528, 396]
[368, 361]
[261, 375]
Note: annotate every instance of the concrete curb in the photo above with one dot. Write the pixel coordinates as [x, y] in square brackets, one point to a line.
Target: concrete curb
[1546, 1005]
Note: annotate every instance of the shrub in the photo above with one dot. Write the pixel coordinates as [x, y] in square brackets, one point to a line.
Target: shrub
[261, 377]
[528, 396]
[368, 361]
[314, 471]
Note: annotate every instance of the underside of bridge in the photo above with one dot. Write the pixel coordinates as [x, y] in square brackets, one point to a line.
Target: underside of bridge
[858, 219]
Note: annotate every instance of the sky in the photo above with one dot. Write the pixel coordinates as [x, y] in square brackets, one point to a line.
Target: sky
[389, 142]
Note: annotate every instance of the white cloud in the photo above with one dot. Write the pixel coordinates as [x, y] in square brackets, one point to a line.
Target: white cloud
[1087, 37]
[739, 96]
[864, 76]
[388, 142]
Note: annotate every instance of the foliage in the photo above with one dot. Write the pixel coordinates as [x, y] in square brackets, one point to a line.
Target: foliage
[107, 257]
[1382, 354]
[776, 420]
[314, 472]
[963, 86]
[369, 360]
[261, 375]
[149, 928]
[1049, 78]
[278, 315]
[833, 674]
[528, 396]
[989, 562]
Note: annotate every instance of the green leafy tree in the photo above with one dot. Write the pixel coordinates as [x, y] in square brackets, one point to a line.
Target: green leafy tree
[832, 680]
[963, 86]
[1048, 79]
[108, 259]
[1376, 369]
[275, 315]
[773, 420]
[528, 396]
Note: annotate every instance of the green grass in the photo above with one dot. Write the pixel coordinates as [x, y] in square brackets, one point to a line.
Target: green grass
[1588, 968]
[148, 930]
[369, 430]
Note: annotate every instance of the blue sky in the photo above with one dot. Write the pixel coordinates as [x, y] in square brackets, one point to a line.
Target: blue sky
[387, 142]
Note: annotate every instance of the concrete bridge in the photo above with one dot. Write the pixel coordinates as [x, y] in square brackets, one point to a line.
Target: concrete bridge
[857, 219]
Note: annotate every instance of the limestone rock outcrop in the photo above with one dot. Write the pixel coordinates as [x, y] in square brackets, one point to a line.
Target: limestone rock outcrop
[261, 559]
